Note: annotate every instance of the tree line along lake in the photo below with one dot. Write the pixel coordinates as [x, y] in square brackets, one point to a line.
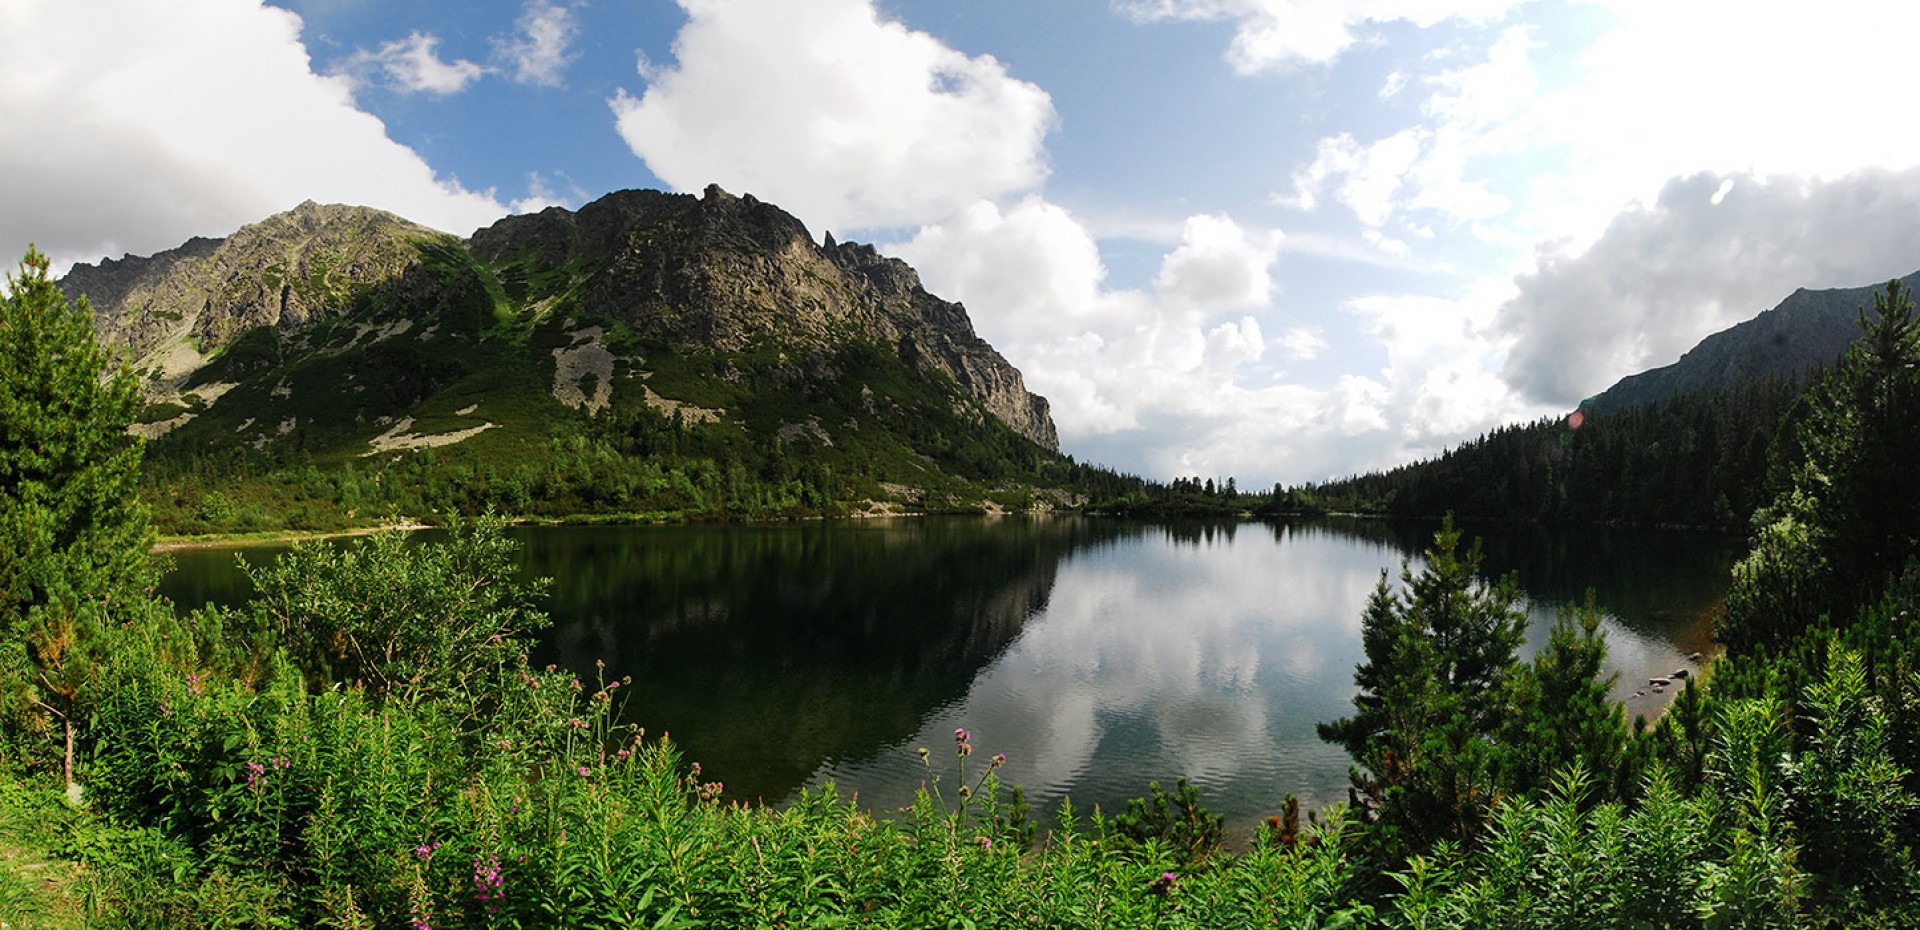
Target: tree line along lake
[1097, 654]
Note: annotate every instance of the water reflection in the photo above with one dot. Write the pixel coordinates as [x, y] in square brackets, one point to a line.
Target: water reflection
[1097, 655]
[1209, 652]
[767, 649]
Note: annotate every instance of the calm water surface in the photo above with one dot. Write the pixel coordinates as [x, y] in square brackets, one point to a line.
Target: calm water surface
[1098, 655]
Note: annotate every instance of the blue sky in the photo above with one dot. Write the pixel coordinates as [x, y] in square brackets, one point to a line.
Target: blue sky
[1281, 240]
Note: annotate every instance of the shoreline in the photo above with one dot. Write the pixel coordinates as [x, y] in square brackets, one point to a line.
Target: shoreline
[269, 537]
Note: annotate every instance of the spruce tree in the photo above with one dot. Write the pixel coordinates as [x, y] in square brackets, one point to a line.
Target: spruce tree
[1432, 695]
[1564, 712]
[1850, 519]
[75, 560]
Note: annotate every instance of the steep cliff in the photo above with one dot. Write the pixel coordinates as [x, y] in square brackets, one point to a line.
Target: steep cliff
[734, 273]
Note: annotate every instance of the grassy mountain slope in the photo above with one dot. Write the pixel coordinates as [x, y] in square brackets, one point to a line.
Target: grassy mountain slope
[1804, 334]
[649, 354]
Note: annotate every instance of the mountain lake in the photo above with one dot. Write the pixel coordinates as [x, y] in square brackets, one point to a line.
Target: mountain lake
[1097, 654]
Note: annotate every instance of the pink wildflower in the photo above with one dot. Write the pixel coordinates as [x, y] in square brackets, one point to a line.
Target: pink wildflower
[489, 886]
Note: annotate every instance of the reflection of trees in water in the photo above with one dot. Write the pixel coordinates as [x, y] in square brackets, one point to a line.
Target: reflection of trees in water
[1649, 579]
[1199, 533]
[769, 649]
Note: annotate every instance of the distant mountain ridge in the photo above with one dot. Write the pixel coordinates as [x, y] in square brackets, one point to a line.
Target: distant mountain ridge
[1692, 444]
[1804, 334]
[706, 328]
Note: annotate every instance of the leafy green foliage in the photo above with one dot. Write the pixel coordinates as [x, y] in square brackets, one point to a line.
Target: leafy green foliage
[1563, 710]
[406, 621]
[1848, 796]
[1759, 882]
[1175, 820]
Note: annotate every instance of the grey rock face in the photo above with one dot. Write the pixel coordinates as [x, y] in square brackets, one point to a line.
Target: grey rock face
[309, 262]
[731, 272]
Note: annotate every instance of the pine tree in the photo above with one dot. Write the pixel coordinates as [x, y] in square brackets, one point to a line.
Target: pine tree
[77, 536]
[1850, 520]
[1432, 693]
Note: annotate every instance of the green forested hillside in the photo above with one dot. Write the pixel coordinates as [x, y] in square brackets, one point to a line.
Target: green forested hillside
[1703, 460]
[1704, 442]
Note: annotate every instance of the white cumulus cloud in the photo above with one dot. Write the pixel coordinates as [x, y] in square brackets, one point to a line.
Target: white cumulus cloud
[412, 65]
[1218, 267]
[841, 116]
[130, 126]
[542, 44]
[1703, 256]
[1661, 174]
[1277, 34]
[1171, 380]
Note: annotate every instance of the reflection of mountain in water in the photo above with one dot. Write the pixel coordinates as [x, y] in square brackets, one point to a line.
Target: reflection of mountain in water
[768, 649]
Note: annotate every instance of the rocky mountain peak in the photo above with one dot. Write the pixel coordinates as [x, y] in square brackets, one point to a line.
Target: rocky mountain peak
[732, 272]
[174, 310]
[1799, 337]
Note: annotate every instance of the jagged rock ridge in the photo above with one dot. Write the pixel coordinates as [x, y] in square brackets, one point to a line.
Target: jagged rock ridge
[728, 272]
[173, 311]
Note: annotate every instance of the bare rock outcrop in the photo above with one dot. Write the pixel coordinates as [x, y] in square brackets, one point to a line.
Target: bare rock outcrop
[733, 272]
[312, 261]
